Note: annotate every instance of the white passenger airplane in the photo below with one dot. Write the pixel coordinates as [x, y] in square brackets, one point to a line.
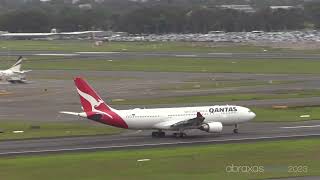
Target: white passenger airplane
[207, 118]
[14, 74]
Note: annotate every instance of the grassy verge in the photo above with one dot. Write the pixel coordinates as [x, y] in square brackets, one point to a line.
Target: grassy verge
[62, 76]
[40, 129]
[218, 98]
[287, 115]
[73, 46]
[183, 65]
[187, 163]
[172, 65]
[213, 84]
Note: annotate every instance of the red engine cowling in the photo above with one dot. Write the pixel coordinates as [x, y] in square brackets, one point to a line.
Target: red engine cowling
[212, 127]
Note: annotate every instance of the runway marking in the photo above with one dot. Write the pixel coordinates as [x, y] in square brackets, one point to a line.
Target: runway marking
[187, 55]
[154, 54]
[228, 54]
[98, 52]
[297, 127]
[4, 93]
[55, 54]
[143, 160]
[152, 145]
[133, 133]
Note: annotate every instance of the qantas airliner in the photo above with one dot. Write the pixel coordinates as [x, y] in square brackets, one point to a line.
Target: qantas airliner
[206, 118]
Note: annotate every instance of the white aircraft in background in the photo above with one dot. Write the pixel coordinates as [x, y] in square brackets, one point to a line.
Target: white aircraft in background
[14, 74]
[206, 118]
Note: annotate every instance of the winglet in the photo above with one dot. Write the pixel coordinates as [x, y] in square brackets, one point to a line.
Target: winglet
[199, 115]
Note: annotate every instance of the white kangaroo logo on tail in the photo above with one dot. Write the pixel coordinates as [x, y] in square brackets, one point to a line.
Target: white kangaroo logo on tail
[93, 102]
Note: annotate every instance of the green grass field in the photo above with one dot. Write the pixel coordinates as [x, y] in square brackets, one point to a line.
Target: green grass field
[274, 158]
[53, 129]
[286, 115]
[73, 46]
[280, 66]
[217, 98]
[213, 84]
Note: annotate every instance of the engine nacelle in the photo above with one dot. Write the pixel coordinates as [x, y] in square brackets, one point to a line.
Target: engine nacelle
[212, 127]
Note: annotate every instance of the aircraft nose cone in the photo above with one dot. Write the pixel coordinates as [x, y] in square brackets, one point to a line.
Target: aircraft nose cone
[253, 115]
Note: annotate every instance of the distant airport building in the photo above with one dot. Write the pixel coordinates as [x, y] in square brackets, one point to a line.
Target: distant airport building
[3, 32]
[55, 35]
[216, 32]
[141, 1]
[53, 30]
[244, 8]
[282, 7]
[85, 6]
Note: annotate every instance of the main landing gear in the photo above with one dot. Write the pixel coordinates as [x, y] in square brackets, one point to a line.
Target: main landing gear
[235, 130]
[179, 134]
[158, 134]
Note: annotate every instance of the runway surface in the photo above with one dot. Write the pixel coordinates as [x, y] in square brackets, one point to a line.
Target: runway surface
[142, 139]
[128, 55]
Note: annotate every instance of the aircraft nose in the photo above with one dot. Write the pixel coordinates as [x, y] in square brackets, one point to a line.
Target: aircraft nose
[252, 115]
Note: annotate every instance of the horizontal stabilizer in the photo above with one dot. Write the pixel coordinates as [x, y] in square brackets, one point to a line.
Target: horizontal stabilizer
[81, 114]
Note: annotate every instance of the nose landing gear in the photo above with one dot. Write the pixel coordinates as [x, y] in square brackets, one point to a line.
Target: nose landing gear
[235, 130]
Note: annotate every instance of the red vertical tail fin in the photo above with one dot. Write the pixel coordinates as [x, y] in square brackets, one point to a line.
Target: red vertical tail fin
[94, 107]
[90, 100]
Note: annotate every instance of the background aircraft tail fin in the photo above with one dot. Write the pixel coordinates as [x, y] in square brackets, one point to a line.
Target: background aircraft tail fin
[17, 66]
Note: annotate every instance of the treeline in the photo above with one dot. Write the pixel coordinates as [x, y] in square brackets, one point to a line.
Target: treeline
[202, 20]
[157, 19]
[64, 19]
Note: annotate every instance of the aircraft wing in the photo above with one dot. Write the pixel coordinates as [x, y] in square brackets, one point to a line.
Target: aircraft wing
[177, 124]
[22, 72]
[25, 71]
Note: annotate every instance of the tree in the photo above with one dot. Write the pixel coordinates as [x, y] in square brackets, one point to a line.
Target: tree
[26, 21]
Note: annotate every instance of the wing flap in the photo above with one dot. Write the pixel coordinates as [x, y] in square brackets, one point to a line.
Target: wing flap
[182, 123]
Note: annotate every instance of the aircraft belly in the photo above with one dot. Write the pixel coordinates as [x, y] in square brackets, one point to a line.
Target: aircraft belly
[223, 118]
[141, 123]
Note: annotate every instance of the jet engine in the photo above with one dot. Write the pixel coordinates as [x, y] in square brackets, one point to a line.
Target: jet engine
[212, 127]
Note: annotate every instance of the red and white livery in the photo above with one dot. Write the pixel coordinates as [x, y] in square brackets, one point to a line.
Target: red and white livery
[179, 119]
